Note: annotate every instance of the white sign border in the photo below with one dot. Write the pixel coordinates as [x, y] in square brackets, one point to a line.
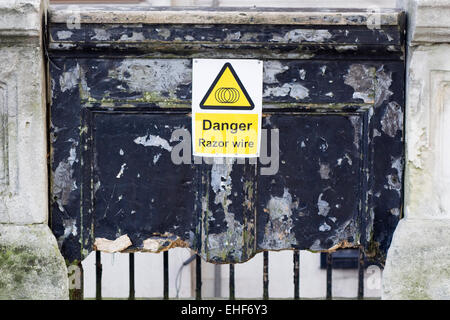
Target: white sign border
[204, 72]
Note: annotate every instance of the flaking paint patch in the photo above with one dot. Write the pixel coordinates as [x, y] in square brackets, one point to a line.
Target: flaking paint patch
[233, 36]
[230, 242]
[135, 36]
[316, 246]
[163, 242]
[392, 120]
[63, 182]
[395, 211]
[52, 86]
[66, 46]
[153, 141]
[302, 74]
[122, 168]
[324, 227]
[323, 206]
[69, 79]
[383, 82]
[156, 158]
[277, 233]
[324, 145]
[388, 36]
[346, 48]
[73, 154]
[304, 35]
[346, 230]
[96, 187]
[156, 75]
[295, 90]
[376, 133]
[395, 180]
[249, 36]
[282, 91]
[101, 34]
[298, 91]
[64, 34]
[221, 179]
[349, 160]
[357, 129]
[70, 228]
[397, 164]
[360, 78]
[164, 32]
[272, 69]
[324, 171]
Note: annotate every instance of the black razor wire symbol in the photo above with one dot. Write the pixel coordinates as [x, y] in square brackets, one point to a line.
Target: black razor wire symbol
[227, 95]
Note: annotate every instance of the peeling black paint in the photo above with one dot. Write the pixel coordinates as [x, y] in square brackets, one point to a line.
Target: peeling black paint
[213, 33]
[336, 94]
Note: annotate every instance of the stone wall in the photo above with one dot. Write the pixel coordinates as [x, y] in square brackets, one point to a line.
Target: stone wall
[418, 261]
[31, 266]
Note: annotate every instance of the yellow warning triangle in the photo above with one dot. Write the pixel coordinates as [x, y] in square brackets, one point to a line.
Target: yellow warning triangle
[227, 92]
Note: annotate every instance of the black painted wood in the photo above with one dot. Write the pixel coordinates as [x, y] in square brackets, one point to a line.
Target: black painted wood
[337, 104]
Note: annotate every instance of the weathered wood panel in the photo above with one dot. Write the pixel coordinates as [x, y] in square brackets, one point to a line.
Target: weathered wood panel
[333, 95]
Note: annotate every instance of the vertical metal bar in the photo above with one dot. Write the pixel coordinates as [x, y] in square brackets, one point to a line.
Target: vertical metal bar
[198, 278]
[296, 274]
[232, 296]
[131, 273]
[98, 275]
[329, 275]
[266, 275]
[217, 281]
[361, 274]
[166, 274]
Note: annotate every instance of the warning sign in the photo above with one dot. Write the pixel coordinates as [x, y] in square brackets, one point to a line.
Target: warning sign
[226, 107]
[227, 92]
[226, 134]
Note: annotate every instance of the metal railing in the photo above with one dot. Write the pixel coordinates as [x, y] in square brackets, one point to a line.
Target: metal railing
[232, 295]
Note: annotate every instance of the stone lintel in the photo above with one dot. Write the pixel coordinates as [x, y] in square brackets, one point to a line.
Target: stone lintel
[132, 14]
[22, 18]
[429, 21]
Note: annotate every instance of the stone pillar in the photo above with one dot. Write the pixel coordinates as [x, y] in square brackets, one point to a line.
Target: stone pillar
[418, 261]
[31, 266]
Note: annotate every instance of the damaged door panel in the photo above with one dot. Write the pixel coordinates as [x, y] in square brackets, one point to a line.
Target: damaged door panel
[122, 176]
[138, 191]
[316, 201]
